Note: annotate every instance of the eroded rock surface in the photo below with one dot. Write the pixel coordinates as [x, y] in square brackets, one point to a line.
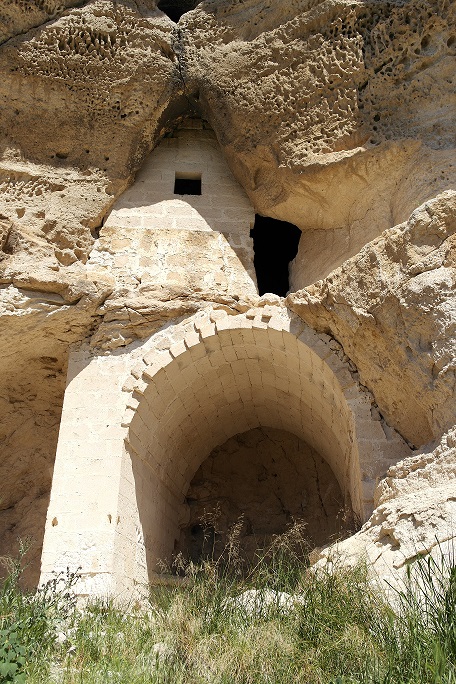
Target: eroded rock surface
[82, 98]
[415, 514]
[392, 307]
[335, 116]
[19, 16]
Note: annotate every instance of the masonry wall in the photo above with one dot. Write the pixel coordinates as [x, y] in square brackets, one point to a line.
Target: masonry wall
[83, 508]
[200, 242]
[260, 482]
[138, 423]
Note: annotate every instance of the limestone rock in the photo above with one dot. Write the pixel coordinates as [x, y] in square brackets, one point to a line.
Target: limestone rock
[259, 603]
[392, 307]
[337, 116]
[96, 68]
[33, 357]
[89, 90]
[416, 514]
[18, 17]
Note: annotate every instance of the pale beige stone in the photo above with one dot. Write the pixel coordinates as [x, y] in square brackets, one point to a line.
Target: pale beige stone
[415, 514]
[393, 309]
[190, 405]
[101, 104]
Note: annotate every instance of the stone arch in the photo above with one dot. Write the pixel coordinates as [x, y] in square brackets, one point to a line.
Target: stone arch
[226, 374]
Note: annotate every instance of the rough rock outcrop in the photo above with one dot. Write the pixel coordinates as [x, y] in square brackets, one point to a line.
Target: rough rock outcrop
[19, 17]
[82, 98]
[393, 309]
[337, 116]
[415, 514]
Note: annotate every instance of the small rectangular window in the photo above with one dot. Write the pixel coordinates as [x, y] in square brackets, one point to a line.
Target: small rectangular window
[187, 183]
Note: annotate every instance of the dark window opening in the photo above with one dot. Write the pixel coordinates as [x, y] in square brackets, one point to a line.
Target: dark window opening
[176, 8]
[275, 244]
[187, 184]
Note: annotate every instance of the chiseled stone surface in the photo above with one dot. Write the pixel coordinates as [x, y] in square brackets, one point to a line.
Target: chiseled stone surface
[337, 116]
[152, 234]
[262, 480]
[187, 390]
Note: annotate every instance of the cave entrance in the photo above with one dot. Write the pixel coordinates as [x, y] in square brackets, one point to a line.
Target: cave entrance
[248, 391]
[261, 481]
[196, 401]
[275, 244]
[176, 8]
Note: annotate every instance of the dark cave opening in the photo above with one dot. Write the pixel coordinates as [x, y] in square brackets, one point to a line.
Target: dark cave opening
[275, 244]
[187, 186]
[258, 482]
[176, 8]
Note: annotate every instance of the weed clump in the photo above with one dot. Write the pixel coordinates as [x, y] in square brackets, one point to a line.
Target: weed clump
[223, 622]
[28, 621]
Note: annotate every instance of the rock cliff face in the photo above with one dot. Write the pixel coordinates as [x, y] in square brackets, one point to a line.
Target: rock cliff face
[415, 514]
[392, 307]
[336, 116]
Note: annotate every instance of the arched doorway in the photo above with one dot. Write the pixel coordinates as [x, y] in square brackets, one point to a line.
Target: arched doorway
[258, 484]
[229, 375]
[140, 423]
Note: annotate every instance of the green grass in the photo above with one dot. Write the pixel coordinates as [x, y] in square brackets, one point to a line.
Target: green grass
[340, 630]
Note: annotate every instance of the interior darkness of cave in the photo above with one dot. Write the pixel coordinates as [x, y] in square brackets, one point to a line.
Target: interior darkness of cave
[176, 8]
[258, 482]
[275, 244]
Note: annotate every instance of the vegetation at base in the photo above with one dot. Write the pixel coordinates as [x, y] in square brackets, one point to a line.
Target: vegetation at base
[298, 626]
